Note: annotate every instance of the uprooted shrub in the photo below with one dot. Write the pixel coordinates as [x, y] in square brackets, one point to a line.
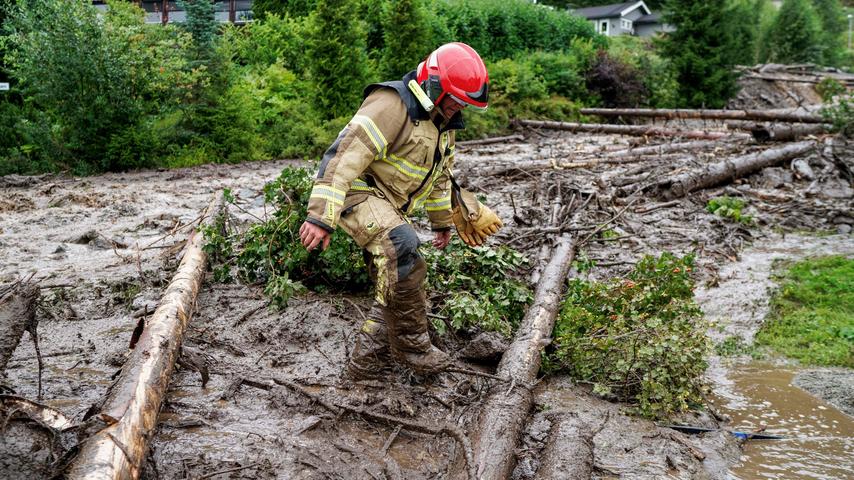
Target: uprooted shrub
[640, 340]
[472, 285]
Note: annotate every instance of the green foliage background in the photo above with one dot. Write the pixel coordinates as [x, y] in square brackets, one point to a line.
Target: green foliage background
[94, 92]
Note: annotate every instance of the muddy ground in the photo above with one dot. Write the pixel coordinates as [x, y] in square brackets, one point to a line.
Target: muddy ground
[103, 249]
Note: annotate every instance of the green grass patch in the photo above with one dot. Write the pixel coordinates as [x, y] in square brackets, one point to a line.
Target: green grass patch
[812, 313]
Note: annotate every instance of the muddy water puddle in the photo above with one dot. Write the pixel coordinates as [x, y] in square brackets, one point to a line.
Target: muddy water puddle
[819, 439]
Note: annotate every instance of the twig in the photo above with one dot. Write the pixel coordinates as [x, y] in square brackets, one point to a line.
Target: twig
[365, 318]
[390, 440]
[228, 470]
[466, 371]
[248, 314]
[653, 208]
[602, 227]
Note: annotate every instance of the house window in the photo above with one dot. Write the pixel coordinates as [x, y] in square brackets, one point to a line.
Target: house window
[603, 27]
[626, 24]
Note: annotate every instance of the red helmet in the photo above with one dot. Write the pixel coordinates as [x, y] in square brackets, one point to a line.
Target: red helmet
[455, 69]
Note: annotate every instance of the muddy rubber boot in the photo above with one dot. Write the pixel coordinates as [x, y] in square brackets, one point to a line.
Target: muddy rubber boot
[406, 316]
[371, 358]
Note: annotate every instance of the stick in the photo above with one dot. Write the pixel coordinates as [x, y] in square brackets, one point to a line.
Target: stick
[769, 115]
[131, 407]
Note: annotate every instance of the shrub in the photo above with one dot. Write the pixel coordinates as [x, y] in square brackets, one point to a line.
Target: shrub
[795, 35]
[641, 340]
[404, 34]
[616, 83]
[475, 287]
[841, 115]
[828, 88]
[729, 207]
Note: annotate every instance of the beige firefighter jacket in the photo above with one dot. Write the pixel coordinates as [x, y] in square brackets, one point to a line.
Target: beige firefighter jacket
[391, 149]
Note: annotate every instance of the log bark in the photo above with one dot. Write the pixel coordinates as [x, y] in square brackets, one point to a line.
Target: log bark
[728, 170]
[131, 407]
[504, 412]
[488, 141]
[634, 130]
[569, 451]
[763, 115]
[17, 313]
[779, 133]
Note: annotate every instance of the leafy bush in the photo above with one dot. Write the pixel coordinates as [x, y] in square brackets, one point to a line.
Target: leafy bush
[404, 34]
[475, 287]
[841, 115]
[795, 36]
[828, 88]
[641, 340]
[617, 84]
[811, 313]
[729, 207]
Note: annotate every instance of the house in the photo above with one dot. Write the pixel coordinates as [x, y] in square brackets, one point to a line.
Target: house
[628, 18]
[168, 11]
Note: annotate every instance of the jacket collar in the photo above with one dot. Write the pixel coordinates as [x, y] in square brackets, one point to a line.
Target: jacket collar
[413, 108]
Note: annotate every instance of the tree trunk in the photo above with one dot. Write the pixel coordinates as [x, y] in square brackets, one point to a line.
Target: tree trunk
[133, 402]
[504, 411]
[778, 133]
[765, 115]
[569, 451]
[635, 130]
[728, 170]
[487, 141]
[17, 312]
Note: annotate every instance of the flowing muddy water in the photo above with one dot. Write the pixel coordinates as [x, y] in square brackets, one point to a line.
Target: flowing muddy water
[819, 438]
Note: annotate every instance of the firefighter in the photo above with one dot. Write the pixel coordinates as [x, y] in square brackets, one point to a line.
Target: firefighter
[393, 158]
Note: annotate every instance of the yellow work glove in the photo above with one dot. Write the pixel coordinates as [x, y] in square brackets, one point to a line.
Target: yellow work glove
[474, 220]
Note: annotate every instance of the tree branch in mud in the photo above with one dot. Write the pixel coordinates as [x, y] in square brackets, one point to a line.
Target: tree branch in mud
[793, 116]
[779, 133]
[729, 170]
[132, 404]
[384, 419]
[504, 412]
[635, 130]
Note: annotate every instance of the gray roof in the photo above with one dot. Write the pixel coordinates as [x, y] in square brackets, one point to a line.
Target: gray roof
[604, 11]
[651, 18]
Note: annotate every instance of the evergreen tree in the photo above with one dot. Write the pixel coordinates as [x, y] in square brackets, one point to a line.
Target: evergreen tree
[340, 65]
[292, 8]
[405, 38]
[795, 36]
[833, 24]
[745, 26]
[703, 49]
[201, 23]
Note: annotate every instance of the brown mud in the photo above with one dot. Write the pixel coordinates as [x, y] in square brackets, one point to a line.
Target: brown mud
[103, 249]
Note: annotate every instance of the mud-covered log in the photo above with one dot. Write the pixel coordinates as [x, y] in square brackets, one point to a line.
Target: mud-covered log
[489, 141]
[634, 130]
[763, 115]
[779, 132]
[17, 314]
[132, 405]
[504, 412]
[729, 170]
[569, 450]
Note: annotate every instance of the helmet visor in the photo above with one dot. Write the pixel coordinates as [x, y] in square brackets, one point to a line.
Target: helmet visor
[464, 103]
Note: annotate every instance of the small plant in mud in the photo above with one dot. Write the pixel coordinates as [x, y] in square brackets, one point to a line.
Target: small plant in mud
[475, 288]
[640, 340]
[734, 345]
[841, 115]
[729, 207]
[471, 283]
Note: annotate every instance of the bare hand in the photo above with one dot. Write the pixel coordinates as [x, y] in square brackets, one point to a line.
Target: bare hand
[312, 235]
[442, 239]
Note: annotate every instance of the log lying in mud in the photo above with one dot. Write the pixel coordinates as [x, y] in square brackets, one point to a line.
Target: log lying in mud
[569, 450]
[133, 403]
[728, 170]
[763, 115]
[634, 130]
[779, 133]
[489, 141]
[504, 411]
[17, 315]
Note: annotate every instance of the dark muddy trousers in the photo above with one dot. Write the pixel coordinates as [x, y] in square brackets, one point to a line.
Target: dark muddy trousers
[397, 323]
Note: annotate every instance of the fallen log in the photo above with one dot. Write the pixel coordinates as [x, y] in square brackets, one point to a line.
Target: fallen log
[779, 133]
[132, 404]
[728, 170]
[17, 315]
[765, 115]
[488, 141]
[505, 410]
[569, 450]
[634, 130]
